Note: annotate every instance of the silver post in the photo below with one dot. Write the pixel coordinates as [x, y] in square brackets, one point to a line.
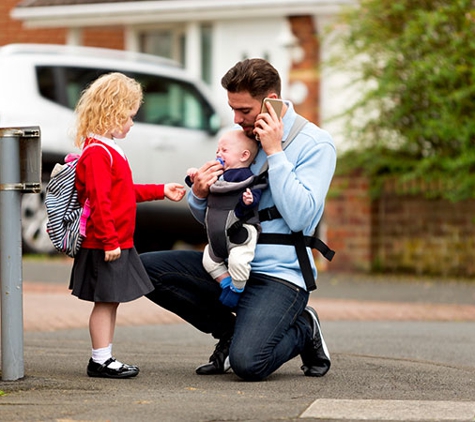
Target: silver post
[10, 259]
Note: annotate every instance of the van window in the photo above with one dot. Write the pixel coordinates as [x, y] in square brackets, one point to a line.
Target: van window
[167, 101]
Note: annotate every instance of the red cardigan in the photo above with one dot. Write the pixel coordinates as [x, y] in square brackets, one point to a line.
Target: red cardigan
[112, 196]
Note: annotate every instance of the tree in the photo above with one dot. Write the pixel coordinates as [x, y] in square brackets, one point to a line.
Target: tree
[416, 60]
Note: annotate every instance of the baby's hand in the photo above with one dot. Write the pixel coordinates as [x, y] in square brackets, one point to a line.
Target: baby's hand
[191, 173]
[174, 191]
[247, 197]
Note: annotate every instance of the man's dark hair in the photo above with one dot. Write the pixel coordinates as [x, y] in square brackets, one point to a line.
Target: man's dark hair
[256, 76]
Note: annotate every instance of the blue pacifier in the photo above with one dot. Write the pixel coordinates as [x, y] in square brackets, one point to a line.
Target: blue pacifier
[220, 160]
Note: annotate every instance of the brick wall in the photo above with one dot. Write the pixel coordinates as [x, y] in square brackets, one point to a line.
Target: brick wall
[348, 222]
[105, 37]
[424, 236]
[13, 32]
[306, 70]
[398, 232]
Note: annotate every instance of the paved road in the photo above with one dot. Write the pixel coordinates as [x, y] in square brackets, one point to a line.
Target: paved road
[402, 349]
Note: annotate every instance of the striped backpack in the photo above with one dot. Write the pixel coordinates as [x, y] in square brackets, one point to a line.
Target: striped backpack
[66, 226]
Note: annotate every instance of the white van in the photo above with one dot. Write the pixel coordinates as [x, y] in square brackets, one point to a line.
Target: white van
[175, 128]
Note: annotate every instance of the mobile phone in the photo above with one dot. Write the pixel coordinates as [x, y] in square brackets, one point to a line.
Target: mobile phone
[275, 103]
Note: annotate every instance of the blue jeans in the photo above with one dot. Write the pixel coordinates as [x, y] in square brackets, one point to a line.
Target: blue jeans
[268, 325]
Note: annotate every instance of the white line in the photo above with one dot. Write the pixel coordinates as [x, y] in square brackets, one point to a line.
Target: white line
[391, 410]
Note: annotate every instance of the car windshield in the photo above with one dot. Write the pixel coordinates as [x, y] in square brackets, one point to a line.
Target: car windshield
[167, 101]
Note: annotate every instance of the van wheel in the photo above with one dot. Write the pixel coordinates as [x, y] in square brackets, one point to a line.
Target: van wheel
[33, 223]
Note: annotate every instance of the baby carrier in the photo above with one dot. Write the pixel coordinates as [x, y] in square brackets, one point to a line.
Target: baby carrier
[297, 239]
[221, 216]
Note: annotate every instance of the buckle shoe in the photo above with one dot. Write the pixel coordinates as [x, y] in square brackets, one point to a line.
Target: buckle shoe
[218, 361]
[103, 371]
[315, 355]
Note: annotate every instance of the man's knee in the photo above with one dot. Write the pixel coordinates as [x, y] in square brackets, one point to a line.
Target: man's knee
[246, 366]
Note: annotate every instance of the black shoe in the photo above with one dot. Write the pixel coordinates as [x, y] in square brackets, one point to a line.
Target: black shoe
[315, 356]
[218, 361]
[102, 370]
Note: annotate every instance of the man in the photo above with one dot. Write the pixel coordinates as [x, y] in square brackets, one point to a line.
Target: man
[272, 322]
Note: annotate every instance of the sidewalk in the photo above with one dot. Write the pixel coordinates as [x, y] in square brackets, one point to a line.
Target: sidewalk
[48, 304]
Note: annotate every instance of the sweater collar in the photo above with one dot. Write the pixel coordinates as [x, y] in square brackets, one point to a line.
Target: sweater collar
[109, 142]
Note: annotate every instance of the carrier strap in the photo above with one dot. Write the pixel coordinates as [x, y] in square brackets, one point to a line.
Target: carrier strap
[301, 243]
[289, 239]
[298, 240]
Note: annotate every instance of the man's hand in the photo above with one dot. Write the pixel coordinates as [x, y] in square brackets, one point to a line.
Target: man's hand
[112, 255]
[269, 129]
[206, 175]
[174, 191]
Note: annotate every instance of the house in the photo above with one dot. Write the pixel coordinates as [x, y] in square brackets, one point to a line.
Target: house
[206, 36]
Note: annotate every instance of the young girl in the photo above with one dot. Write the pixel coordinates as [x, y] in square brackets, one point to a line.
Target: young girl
[107, 269]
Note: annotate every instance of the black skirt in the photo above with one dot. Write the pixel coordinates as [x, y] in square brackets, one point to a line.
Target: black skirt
[96, 280]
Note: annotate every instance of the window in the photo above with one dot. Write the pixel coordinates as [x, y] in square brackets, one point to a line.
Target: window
[206, 50]
[167, 101]
[164, 43]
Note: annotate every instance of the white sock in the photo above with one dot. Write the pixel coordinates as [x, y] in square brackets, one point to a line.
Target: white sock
[101, 355]
[116, 364]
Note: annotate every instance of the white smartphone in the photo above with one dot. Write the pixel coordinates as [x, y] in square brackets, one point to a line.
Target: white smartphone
[275, 103]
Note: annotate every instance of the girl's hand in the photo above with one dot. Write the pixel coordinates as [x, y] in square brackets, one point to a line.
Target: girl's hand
[174, 191]
[247, 197]
[112, 255]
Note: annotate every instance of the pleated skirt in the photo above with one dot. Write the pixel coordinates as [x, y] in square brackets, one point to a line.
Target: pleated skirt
[96, 280]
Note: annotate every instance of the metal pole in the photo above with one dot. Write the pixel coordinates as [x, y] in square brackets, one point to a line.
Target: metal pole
[10, 260]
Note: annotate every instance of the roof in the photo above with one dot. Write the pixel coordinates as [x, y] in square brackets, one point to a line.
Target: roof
[43, 3]
[84, 13]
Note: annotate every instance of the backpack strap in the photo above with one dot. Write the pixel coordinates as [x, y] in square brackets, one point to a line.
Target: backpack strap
[86, 212]
[97, 144]
[297, 239]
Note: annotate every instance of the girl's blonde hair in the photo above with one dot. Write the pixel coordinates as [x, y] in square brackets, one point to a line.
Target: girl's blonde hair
[105, 105]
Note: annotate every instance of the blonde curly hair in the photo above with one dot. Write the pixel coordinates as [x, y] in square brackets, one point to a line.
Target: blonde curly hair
[105, 105]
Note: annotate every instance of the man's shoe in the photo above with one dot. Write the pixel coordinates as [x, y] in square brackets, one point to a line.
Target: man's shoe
[103, 371]
[315, 355]
[218, 361]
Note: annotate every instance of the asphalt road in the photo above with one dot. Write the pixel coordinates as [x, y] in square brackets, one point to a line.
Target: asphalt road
[419, 368]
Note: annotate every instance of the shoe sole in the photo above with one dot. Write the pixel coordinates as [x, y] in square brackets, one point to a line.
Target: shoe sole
[95, 375]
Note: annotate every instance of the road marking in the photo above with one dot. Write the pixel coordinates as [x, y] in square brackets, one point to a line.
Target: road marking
[391, 410]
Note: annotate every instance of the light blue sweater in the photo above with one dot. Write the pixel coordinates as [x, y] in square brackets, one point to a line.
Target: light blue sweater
[299, 179]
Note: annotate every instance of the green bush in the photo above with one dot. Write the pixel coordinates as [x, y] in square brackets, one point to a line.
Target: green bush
[417, 62]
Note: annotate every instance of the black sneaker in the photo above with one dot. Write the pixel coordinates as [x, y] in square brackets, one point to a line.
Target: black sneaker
[315, 355]
[218, 361]
[103, 371]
